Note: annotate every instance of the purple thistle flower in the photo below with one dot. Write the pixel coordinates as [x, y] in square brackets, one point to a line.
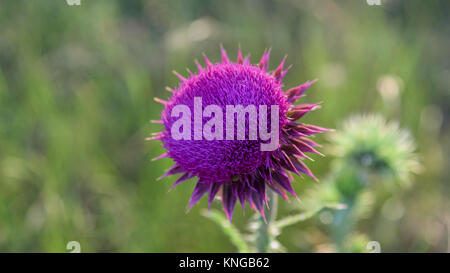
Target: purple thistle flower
[238, 169]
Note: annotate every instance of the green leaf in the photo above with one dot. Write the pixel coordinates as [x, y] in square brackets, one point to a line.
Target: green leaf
[229, 229]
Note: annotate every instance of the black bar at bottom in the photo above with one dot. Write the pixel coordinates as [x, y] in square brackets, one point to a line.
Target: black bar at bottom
[223, 262]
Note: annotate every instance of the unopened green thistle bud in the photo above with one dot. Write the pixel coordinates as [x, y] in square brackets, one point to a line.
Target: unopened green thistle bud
[373, 147]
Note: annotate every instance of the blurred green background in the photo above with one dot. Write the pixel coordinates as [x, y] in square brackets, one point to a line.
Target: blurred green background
[76, 97]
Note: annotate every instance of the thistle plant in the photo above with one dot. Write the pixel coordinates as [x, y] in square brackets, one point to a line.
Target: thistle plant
[227, 165]
[368, 151]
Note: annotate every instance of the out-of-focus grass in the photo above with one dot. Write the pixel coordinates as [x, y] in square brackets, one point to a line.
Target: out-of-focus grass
[76, 96]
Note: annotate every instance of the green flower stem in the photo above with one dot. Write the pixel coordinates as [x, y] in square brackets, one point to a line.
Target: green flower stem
[349, 182]
[294, 219]
[343, 223]
[263, 233]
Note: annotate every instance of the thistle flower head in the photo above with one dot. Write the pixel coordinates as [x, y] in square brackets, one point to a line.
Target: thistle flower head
[236, 168]
[371, 143]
